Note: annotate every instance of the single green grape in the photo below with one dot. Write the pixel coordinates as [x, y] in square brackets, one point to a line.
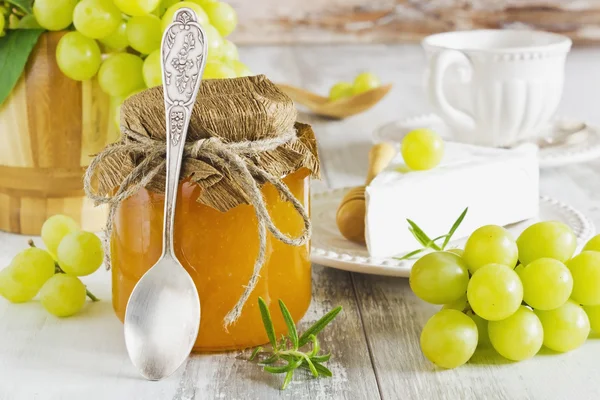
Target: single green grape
[80, 253]
[439, 277]
[33, 267]
[152, 70]
[167, 17]
[585, 269]
[117, 40]
[15, 289]
[54, 15]
[458, 252]
[548, 239]
[547, 284]
[460, 305]
[144, 33]
[77, 56]
[63, 295]
[229, 51]
[217, 70]
[565, 328]
[96, 19]
[495, 292]
[483, 339]
[365, 81]
[593, 244]
[214, 42]
[240, 68]
[449, 338]
[517, 337]
[340, 90]
[593, 313]
[121, 74]
[137, 7]
[422, 149]
[55, 229]
[490, 244]
[222, 16]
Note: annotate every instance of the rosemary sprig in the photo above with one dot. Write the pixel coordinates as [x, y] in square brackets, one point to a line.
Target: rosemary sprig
[286, 356]
[428, 243]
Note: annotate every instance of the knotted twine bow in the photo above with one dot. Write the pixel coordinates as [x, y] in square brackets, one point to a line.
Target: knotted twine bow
[223, 156]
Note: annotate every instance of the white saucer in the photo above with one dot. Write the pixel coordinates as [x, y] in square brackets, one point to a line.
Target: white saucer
[557, 155]
[329, 248]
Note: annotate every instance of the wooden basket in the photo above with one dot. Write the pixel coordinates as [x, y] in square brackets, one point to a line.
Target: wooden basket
[49, 127]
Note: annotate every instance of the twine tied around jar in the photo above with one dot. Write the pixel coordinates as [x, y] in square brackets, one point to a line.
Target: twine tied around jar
[242, 163]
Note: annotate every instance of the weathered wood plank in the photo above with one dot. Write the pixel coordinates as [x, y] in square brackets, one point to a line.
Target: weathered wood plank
[393, 318]
[230, 376]
[392, 21]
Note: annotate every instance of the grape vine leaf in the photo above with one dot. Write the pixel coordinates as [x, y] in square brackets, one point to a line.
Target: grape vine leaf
[15, 48]
[24, 5]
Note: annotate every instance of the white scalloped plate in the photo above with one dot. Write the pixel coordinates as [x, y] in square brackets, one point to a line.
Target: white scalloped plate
[329, 248]
[564, 154]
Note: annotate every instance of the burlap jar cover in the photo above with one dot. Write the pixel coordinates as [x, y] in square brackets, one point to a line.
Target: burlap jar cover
[243, 133]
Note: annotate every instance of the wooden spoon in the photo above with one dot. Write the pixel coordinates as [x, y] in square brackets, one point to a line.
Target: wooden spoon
[341, 108]
[351, 213]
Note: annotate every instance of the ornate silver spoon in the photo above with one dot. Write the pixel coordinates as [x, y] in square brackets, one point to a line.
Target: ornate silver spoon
[163, 312]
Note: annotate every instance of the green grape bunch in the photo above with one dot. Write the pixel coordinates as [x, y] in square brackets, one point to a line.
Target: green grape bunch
[118, 42]
[516, 295]
[53, 274]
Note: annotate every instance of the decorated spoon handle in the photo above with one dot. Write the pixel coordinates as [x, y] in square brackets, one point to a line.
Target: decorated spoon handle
[183, 57]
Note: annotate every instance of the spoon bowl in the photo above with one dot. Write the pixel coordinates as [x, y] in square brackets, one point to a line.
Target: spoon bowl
[160, 307]
[339, 109]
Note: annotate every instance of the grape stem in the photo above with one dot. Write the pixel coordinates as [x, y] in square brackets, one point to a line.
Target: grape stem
[58, 270]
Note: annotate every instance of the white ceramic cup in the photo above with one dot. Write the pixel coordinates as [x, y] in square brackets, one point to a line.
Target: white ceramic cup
[496, 87]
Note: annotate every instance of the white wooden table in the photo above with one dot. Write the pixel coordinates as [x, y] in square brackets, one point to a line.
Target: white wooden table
[375, 341]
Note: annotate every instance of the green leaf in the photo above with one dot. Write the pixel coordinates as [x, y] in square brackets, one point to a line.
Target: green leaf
[24, 5]
[311, 366]
[270, 360]
[323, 370]
[319, 325]
[15, 48]
[423, 241]
[284, 368]
[321, 359]
[267, 322]
[316, 346]
[255, 353]
[455, 227]
[289, 321]
[287, 380]
[409, 255]
[439, 237]
[421, 236]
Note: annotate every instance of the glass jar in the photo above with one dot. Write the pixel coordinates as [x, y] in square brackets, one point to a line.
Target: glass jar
[218, 249]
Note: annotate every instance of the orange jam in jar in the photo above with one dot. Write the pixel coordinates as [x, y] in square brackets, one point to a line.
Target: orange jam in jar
[218, 249]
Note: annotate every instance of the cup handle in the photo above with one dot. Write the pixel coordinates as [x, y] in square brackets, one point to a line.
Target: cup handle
[439, 64]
